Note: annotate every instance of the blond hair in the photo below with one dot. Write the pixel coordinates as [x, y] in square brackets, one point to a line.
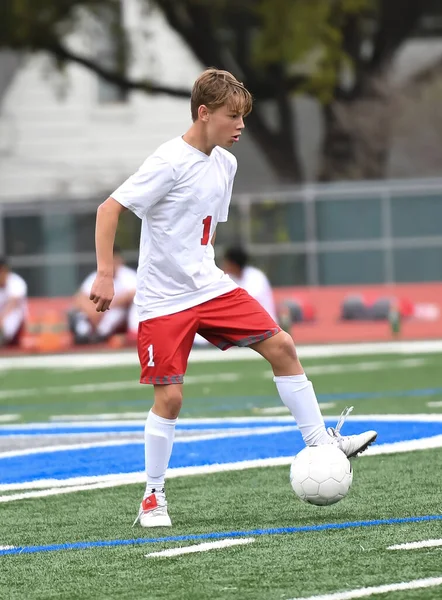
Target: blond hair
[215, 88]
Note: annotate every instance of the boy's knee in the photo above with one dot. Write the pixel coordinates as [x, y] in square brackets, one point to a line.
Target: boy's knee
[283, 358]
[286, 346]
[168, 401]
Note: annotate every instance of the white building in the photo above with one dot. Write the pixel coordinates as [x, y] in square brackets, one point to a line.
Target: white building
[62, 136]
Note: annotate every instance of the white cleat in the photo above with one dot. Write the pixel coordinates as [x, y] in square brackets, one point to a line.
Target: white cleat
[153, 511]
[351, 445]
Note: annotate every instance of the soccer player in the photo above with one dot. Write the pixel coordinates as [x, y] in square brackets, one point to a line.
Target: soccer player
[13, 293]
[181, 192]
[253, 280]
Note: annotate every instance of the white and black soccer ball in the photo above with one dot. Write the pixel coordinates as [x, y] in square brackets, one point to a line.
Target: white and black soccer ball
[321, 475]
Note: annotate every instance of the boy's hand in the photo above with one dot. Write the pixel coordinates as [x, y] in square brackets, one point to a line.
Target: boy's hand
[102, 292]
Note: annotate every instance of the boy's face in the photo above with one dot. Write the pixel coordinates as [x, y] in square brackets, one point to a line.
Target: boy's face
[224, 125]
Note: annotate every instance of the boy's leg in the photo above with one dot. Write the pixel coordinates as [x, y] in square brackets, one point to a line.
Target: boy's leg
[159, 434]
[237, 319]
[297, 393]
[240, 320]
[164, 345]
[294, 389]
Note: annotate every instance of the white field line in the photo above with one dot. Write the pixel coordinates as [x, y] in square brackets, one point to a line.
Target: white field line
[435, 404]
[272, 410]
[109, 386]
[277, 410]
[53, 428]
[109, 481]
[201, 547]
[59, 491]
[9, 418]
[360, 367]
[407, 446]
[62, 447]
[130, 358]
[6, 547]
[415, 584]
[24, 427]
[78, 484]
[416, 545]
[421, 417]
[100, 417]
[191, 438]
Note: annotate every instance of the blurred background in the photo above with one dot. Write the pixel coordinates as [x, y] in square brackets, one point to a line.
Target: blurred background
[338, 197]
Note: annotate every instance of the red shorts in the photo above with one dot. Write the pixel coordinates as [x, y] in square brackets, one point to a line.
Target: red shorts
[233, 319]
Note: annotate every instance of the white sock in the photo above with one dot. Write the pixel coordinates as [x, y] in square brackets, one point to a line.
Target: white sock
[158, 439]
[297, 393]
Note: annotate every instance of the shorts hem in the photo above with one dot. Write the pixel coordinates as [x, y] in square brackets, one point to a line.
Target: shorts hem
[165, 380]
[254, 339]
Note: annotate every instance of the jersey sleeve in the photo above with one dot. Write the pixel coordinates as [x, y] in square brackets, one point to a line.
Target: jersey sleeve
[224, 213]
[153, 180]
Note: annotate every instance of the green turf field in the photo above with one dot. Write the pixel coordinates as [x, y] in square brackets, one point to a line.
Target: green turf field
[374, 384]
[282, 562]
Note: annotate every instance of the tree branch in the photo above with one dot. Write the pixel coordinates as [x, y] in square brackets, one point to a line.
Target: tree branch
[63, 53]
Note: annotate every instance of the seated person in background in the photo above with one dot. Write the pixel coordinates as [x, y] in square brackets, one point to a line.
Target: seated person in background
[13, 293]
[90, 326]
[253, 280]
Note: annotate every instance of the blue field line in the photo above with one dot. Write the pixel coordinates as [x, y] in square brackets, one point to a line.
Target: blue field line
[217, 535]
[129, 458]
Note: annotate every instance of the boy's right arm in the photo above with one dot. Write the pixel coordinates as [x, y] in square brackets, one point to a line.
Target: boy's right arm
[108, 214]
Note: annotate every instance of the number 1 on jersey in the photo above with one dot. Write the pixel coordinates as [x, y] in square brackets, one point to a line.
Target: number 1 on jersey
[206, 231]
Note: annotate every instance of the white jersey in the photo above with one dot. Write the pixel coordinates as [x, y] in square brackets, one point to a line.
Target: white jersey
[257, 285]
[15, 288]
[181, 194]
[125, 280]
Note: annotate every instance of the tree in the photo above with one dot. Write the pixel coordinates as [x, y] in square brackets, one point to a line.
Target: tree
[358, 117]
[277, 47]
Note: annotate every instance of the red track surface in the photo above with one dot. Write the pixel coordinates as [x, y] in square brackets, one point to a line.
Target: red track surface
[48, 315]
[328, 327]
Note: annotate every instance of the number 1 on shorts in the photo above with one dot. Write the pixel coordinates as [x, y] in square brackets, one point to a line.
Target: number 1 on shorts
[151, 362]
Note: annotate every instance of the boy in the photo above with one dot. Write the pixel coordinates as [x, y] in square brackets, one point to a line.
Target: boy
[181, 192]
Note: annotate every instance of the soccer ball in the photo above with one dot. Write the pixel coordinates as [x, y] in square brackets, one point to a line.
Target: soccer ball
[321, 475]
